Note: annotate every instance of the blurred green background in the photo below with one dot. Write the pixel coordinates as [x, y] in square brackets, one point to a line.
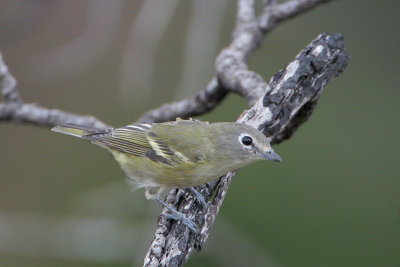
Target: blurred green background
[63, 202]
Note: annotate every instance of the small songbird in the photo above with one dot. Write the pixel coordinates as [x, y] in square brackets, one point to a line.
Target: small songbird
[178, 154]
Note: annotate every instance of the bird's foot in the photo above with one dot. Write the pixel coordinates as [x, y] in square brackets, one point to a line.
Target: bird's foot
[179, 216]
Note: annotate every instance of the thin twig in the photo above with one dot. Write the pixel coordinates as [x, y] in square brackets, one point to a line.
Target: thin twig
[274, 14]
[8, 84]
[198, 104]
[32, 113]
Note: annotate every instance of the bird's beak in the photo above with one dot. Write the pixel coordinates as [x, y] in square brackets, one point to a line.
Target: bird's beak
[271, 155]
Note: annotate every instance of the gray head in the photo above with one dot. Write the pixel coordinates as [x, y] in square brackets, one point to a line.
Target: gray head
[246, 142]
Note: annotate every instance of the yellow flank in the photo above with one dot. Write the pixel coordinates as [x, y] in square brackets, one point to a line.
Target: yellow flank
[149, 173]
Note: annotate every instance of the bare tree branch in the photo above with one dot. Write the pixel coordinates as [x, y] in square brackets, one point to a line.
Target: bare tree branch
[275, 13]
[8, 84]
[13, 109]
[231, 63]
[198, 104]
[32, 113]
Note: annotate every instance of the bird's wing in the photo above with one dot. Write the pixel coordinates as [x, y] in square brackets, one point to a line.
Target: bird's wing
[138, 140]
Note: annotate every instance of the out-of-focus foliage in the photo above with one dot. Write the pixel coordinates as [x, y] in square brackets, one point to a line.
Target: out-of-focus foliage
[334, 201]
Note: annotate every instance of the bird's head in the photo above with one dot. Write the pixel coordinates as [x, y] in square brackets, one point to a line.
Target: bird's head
[244, 142]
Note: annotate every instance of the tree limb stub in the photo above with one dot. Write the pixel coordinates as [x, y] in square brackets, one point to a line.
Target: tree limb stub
[287, 103]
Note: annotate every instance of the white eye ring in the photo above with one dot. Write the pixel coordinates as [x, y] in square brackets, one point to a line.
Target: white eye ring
[246, 140]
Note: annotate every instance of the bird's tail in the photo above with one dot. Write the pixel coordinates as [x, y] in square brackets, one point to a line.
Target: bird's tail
[78, 130]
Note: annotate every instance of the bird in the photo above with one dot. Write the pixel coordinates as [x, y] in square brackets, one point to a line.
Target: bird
[177, 154]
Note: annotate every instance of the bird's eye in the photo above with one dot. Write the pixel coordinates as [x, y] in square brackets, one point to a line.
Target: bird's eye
[247, 141]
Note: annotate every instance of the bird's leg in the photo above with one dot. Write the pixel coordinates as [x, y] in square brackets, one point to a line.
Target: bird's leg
[198, 196]
[176, 215]
[155, 193]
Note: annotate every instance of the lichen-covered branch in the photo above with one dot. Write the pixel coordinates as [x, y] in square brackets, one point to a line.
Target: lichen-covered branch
[293, 92]
[287, 102]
